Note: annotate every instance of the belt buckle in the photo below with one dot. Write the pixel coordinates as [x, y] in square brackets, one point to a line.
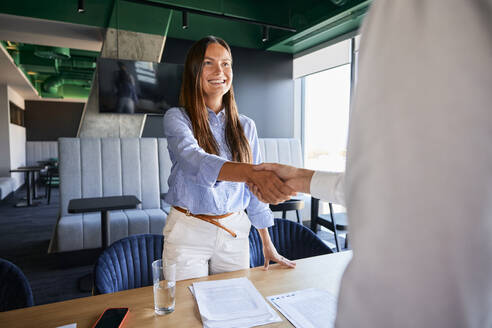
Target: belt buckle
[188, 213]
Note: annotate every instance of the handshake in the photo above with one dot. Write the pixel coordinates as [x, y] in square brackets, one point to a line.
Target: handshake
[275, 183]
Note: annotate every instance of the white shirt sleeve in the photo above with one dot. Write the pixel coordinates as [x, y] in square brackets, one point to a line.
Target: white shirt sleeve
[328, 186]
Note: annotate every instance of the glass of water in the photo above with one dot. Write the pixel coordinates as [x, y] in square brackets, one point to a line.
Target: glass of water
[164, 277]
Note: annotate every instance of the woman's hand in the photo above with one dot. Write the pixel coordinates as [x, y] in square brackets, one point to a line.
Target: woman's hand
[268, 186]
[271, 254]
[296, 178]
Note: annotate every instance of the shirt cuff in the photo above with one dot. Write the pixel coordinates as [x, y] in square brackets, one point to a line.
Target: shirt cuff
[328, 186]
[262, 219]
[210, 169]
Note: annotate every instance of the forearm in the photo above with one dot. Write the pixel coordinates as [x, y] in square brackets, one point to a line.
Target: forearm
[265, 237]
[301, 181]
[235, 172]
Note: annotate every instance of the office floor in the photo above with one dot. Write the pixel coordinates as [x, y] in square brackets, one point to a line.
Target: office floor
[24, 238]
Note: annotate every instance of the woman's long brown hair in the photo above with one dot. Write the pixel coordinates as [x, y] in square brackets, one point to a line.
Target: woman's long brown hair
[192, 99]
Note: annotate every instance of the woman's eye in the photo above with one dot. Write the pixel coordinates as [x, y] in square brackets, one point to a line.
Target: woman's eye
[227, 64]
[207, 62]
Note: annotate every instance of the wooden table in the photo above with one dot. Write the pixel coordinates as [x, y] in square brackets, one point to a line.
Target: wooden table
[321, 272]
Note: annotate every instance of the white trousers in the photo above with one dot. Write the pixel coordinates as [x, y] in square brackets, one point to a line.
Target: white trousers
[200, 248]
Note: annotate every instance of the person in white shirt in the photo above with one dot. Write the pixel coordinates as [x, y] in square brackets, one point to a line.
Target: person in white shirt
[418, 183]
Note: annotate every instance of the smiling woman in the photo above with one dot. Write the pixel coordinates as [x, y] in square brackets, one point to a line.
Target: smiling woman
[213, 150]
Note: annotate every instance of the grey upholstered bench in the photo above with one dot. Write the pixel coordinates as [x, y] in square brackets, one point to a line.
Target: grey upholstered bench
[96, 167]
[40, 151]
[6, 186]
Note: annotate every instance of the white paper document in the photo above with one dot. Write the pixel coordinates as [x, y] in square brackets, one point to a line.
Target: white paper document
[307, 308]
[72, 325]
[232, 303]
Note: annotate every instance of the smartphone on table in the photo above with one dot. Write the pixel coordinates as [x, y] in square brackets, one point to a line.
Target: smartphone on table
[111, 318]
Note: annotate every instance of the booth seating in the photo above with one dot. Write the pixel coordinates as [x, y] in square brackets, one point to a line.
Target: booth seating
[40, 151]
[97, 167]
[6, 186]
[286, 151]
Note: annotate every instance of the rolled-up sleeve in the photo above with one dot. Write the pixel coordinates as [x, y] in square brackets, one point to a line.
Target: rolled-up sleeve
[259, 213]
[201, 167]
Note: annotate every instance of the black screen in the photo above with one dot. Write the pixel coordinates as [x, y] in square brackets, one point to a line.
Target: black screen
[111, 318]
[137, 87]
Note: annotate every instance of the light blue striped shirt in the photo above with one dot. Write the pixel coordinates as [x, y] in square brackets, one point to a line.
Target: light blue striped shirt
[193, 180]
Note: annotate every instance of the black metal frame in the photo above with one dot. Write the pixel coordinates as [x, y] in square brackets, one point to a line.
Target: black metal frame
[289, 205]
[332, 226]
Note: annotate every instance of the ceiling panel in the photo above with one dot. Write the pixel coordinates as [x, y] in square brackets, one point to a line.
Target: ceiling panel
[306, 16]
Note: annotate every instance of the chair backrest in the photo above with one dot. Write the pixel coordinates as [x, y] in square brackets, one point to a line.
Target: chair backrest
[292, 240]
[40, 151]
[15, 291]
[281, 150]
[127, 263]
[96, 167]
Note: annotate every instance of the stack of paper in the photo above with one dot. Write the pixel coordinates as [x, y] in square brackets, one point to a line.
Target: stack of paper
[232, 303]
[308, 308]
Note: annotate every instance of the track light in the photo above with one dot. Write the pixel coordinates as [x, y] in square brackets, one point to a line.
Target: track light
[265, 34]
[185, 20]
[80, 7]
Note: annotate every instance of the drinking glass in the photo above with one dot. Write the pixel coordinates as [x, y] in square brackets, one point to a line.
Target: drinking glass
[164, 277]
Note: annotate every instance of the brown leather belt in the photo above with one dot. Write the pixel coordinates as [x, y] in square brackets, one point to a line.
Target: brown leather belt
[209, 218]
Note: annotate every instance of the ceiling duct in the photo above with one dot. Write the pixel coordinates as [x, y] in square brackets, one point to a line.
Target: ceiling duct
[52, 84]
[52, 52]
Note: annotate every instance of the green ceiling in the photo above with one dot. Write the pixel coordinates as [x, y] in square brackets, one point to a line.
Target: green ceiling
[315, 21]
[306, 16]
[55, 72]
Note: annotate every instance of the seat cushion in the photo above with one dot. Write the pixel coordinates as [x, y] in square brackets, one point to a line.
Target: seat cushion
[80, 231]
[83, 231]
[6, 186]
[138, 221]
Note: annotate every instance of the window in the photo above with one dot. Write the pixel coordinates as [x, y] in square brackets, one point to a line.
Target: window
[326, 113]
[326, 77]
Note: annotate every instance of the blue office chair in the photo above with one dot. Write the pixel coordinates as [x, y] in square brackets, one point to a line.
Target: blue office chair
[127, 263]
[291, 239]
[15, 291]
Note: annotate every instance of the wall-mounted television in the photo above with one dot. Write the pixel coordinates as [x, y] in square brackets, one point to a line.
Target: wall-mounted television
[138, 87]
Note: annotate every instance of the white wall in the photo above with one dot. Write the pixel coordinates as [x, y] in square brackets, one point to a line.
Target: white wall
[4, 132]
[17, 140]
[322, 59]
[15, 98]
[17, 152]
[12, 137]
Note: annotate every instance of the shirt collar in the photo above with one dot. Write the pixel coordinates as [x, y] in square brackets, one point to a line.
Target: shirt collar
[220, 114]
